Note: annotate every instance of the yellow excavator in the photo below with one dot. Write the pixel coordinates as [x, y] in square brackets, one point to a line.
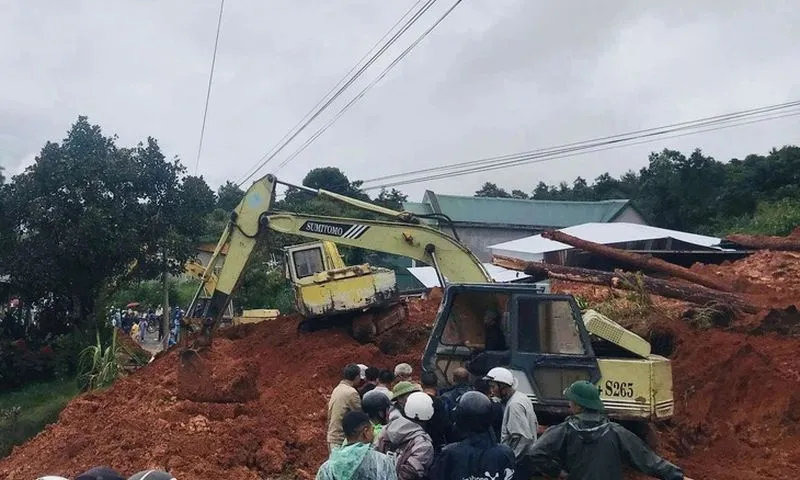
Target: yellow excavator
[545, 340]
[196, 269]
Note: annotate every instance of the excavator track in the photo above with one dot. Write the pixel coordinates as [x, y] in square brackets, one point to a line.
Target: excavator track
[366, 326]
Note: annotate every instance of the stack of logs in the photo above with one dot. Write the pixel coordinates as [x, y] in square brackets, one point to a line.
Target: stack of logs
[695, 288]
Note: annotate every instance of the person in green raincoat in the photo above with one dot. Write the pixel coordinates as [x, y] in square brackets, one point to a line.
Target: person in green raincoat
[356, 459]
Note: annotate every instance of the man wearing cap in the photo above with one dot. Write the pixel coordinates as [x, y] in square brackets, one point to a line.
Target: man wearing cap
[400, 394]
[588, 446]
[520, 425]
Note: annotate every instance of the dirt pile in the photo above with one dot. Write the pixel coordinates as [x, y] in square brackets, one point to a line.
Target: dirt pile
[737, 396]
[285, 376]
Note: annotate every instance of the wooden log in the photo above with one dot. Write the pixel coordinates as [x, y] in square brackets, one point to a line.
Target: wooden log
[689, 293]
[639, 261]
[791, 244]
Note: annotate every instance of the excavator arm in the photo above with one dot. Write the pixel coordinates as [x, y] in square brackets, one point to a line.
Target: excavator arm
[401, 234]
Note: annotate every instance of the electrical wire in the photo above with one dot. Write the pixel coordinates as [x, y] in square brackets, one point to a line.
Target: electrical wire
[208, 91]
[347, 79]
[541, 158]
[364, 91]
[654, 131]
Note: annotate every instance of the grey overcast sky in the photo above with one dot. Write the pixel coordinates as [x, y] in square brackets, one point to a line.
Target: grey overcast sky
[496, 77]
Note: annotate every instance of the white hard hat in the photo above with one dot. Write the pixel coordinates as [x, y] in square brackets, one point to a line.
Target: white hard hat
[52, 477]
[501, 375]
[363, 369]
[419, 406]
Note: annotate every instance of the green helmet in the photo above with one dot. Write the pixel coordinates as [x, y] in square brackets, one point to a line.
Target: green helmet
[585, 394]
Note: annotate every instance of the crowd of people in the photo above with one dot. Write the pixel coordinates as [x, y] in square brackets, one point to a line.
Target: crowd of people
[384, 425]
[137, 323]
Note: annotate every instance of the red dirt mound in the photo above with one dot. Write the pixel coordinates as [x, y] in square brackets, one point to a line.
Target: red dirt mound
[141, 422]
[737, 405]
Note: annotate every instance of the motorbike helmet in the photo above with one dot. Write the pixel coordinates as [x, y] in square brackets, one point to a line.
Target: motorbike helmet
[419, 406]
[375, 404]
[473, 412]
[152, 475]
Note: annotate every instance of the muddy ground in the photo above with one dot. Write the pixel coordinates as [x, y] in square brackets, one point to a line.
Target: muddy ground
[737, 396]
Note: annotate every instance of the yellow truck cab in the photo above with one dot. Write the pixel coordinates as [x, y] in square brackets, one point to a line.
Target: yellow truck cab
[547, 343]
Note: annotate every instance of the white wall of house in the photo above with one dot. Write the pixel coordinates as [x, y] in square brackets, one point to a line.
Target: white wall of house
[629, 215]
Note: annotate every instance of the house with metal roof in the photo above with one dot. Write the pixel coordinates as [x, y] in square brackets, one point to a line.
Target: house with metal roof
[484, 221]
[681, 248]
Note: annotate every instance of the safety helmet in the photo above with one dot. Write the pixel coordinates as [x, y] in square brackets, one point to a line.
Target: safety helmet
[363, 369]
[419, 406]
[375, 403]
[52, 477]
[501, 375]
[152, 475]
[473, 412]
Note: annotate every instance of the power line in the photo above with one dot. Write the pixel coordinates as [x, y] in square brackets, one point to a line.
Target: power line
[364, 91]
[654, 131]
[539, 158]
[208, 91]
[323, 103]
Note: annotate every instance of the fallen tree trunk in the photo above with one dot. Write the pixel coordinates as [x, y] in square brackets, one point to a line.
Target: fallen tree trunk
[689, 293]
[765, 242]
[638, 261]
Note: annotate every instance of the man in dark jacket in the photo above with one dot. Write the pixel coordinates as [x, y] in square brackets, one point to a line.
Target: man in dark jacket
[589, 447]
[479, 456]
[438, 427]
[451, 395]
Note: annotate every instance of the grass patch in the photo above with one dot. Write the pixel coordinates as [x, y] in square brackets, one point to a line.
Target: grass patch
[25, 412]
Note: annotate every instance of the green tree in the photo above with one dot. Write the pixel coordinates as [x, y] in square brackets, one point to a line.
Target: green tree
[490, 189]
[393, 199]
[229, 196]
[75, 216]
[519, 194]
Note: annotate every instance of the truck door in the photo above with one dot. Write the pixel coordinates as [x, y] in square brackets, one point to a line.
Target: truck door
[551, 345]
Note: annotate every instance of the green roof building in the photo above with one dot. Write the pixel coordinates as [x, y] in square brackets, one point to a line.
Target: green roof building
[484, 221]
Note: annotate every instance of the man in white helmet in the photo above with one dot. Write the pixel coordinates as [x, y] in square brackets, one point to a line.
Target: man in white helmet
[405, 439]
[519, 429]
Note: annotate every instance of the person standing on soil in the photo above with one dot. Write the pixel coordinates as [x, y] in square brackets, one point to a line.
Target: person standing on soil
[520, 425]
[479, 456]
[385, 380]
[438, 427]
[100, 473]
[344, 398]
[356, 460]
[402, 372]
[588, 446]
[483, 386]
[400, 394]
[405, 439]
[370, 380]
[376, 405]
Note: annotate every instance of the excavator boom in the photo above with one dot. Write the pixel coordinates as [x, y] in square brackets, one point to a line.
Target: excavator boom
[401, 234]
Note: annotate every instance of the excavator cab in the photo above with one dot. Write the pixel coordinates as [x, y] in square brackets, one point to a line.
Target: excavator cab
[326, 290]
[546, 343]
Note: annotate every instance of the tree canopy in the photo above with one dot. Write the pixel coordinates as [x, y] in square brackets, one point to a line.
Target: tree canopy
[695, 193]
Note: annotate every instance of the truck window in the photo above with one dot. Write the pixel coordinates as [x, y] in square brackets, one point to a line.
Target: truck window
[307, 262]
[466, 321]
[547, 327]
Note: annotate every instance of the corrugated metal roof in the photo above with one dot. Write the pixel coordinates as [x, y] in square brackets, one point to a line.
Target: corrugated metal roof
[605, 233]
[513, 211]
[427, 275]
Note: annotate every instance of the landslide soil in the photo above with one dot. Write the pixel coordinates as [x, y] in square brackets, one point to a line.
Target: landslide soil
[737, 396]
[141, 421]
